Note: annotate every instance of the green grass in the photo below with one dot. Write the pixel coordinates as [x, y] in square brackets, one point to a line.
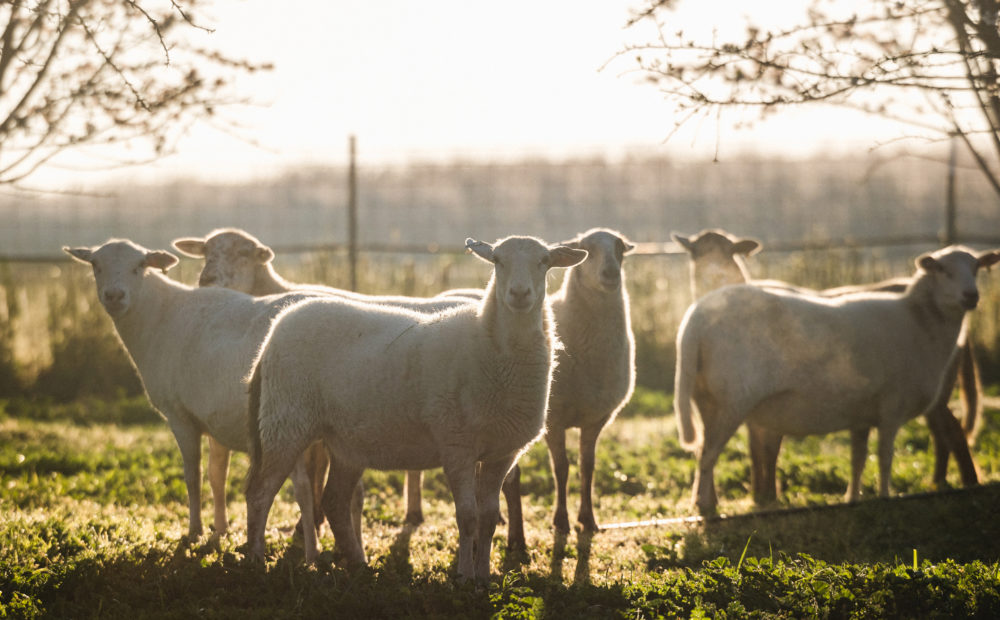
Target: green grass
[94, 510]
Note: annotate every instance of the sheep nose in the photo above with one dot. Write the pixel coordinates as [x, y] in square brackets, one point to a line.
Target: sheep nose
[114, 296]
[519, 297]
[970, 299]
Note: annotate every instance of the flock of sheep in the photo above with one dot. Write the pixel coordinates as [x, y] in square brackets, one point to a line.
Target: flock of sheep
[319, 384]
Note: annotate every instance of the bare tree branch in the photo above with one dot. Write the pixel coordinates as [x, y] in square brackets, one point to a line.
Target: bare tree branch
[79, 73]
[873, 59]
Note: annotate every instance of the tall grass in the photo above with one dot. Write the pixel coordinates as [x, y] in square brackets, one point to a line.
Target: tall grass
[56, 341]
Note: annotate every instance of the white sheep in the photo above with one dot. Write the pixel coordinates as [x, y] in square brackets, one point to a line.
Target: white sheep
[798, 364]
[595, 369]
[236, 259]
[717, 259]
[192, 348]
[394, 389]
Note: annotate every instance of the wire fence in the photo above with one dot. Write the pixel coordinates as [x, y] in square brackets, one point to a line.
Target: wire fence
[430, 208]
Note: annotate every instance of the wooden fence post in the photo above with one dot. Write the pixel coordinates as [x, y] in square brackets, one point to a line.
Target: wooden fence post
[352, 212]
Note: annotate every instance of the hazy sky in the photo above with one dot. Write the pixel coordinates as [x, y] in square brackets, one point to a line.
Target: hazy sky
[450, 78]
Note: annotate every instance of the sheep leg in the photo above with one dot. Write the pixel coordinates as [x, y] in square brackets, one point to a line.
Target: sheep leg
[218, 468]
[515, 515]
[189, 441]
[942, 446]
[488, 485]
[338, 502]
[716, 434]
[556, 440]
[305, 497]
[588, 447]
[411, 488]
[357, 508]
[886, 449]
[859, 454]
[756, 463]
[461, 475]
[949, 438]
[317, 465]
[765, 446]
[970, 387]
[263, 483]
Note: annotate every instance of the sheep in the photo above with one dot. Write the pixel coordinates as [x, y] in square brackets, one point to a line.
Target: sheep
[595, 368]
[236, 259]
[716, 259]
[388, 388]
[191, 349]
[798, 364]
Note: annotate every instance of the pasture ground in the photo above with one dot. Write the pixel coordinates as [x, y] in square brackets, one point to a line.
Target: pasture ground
[93, 512]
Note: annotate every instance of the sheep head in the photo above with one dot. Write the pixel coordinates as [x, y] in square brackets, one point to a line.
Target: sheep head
[232, 258]
[120, 270]
[952, 275]
[519, 268]
[606, 250]
[717, 259]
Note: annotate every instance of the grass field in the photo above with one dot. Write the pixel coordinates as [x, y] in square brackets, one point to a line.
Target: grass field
[94, 510]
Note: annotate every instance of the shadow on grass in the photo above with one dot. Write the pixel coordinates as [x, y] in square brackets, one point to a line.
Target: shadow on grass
[584, 542]
[954, 524]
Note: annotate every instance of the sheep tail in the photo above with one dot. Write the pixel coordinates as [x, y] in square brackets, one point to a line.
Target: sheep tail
[253, 422]
[684, 379]
[969, 387]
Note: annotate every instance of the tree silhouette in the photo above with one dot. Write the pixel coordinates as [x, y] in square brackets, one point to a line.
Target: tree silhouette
[931, 64]
[79, 73]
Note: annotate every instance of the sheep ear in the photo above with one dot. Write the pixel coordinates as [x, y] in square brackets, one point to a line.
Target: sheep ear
[928, 263]
[988, 259]
[626, 246]
[189, 246]
[482, 249]
[160, 260]
[748, 247]
[81, 254]
[683, 241]
[572, 243]
[563, 256]
[263, 254]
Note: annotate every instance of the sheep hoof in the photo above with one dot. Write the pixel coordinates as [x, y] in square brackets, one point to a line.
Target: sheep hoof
[708, 512]
[588, 525]
[516, 547]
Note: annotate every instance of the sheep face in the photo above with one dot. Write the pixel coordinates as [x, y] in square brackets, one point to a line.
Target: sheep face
[952, 272]
[232, 258]
[606, 250]
[716, 259]
[520, 265]
[119, 270]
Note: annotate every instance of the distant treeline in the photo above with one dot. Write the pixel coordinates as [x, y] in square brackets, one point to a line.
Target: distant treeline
[443, 203]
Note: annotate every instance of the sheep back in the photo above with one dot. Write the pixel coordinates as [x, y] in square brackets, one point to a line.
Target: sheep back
[801, 364]
[390, 374]
[192, 348]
